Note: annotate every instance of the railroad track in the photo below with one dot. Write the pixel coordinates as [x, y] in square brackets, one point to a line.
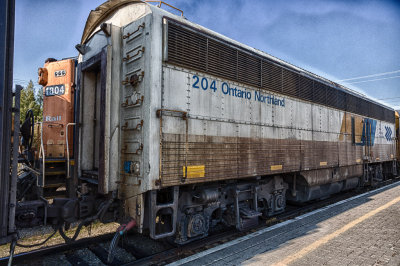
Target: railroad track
[136, 249]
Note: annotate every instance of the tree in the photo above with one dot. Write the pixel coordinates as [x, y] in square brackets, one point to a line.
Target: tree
[30, 100]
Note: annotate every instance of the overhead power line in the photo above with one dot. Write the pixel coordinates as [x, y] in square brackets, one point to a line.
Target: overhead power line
[392, 101]
[24, 80]
[373, 80]
[370, 76]
[389, 98]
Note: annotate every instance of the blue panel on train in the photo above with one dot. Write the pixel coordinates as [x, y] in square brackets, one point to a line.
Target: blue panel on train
[127, 167]
[368, 133]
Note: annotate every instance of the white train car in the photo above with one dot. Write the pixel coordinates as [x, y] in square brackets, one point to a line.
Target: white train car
[188, 128]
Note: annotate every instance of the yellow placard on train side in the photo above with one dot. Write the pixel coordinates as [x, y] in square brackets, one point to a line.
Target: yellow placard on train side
[276, 167]
[323, 163]
[194, 171]
[358, 160]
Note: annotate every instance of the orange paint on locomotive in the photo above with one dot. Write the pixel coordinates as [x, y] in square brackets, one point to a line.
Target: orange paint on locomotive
[57, 79]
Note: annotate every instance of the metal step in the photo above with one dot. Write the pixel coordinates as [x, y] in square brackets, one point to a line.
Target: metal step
[53, 185]
[248, 218]
[246, 215]
[55, 160]
[90, 176]
[48, 173]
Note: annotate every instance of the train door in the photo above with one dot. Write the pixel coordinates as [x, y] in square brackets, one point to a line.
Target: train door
[99, 82]
[92, 112]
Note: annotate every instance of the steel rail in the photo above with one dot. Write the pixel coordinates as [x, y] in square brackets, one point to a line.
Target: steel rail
[59, 248]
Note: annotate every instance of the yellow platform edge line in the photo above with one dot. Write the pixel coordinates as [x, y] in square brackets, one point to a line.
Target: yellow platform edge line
[329, 237]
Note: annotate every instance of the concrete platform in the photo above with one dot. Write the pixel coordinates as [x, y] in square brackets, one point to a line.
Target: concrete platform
[363, 230]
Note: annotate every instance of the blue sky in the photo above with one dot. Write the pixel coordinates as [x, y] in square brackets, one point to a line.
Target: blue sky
[335, 39]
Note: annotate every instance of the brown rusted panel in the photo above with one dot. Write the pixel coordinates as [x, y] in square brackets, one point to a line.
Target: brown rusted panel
[381, 152]
[319, 154]
[325, 154]
[231, 157]
[308, 161]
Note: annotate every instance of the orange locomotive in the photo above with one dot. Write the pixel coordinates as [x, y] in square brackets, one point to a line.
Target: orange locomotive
[57, 79]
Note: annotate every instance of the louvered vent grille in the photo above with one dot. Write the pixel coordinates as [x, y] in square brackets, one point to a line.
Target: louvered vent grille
[351, 103]
[222, 60]
[379, 112]
[374, 111]
[249, 69]
[319, 93]
[364, 107]
[383, 115]
[331, 96]
[290, 80]
[388, 115]
[187, 48]
[306, 88]
[196, 50]
[341, 100]
[271, 77]
[360, 106]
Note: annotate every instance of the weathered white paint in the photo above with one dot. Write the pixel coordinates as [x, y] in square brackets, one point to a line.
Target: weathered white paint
[165, 86]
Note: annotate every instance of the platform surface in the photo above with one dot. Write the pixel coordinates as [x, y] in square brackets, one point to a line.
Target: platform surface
[363, 230]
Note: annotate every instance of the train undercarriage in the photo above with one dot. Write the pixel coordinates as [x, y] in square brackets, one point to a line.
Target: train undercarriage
[200, 208]
[186, 213]
[190, 212]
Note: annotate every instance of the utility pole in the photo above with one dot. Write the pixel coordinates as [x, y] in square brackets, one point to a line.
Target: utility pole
[7, 15]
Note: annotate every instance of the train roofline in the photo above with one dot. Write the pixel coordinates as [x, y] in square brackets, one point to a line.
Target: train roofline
[105, 10]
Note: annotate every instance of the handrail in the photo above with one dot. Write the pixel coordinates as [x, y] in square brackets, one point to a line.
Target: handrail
[43, 155]
[66, 137]
[162, 2]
